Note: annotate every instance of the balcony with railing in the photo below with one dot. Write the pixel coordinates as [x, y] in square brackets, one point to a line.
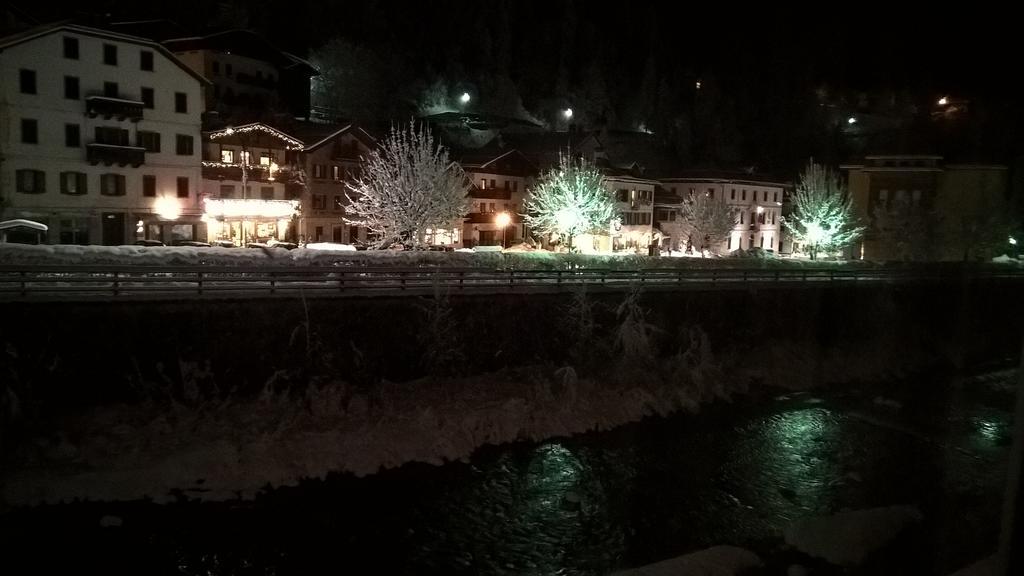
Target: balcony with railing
[118, 108]
[254, 172]
[109, 154]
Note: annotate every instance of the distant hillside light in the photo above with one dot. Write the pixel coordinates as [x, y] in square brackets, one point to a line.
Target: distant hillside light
[567, 113]
[698, 84]
[943, 101]
[465, 98]
[851, 120]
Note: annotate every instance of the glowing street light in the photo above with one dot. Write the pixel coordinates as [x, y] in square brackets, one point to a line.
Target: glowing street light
[567, 113]
[465, 98]
[851, 120]
[167, 208]
[1013, 241]
[943, 101]
[503, 220]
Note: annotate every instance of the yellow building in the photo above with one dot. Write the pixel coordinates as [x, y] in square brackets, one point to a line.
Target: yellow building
[942, 209]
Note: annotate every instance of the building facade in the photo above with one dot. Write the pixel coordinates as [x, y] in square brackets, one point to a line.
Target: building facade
[500, 185]
[99, 137]
[757, 202]
[332, 158]
[917, 207]
[251, 184]
[632, 230]
[249, 75]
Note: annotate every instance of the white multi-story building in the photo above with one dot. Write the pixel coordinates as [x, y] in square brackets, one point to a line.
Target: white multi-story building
[99, 136]
[632, 230]
[757, 201]
[499, 186]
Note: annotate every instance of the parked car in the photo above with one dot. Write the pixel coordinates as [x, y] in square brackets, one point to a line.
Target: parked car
[148, 243]
[223, 243]
[193, 243]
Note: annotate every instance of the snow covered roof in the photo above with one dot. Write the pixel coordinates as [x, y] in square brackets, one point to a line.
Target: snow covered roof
[723, 176]
[21, 223]
[55, 27]
[315, 134]
[290, 142]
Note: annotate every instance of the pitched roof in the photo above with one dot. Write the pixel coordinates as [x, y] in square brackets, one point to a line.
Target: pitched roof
[316, 134]
[542, 149]
[478, 121]
[290, 141]
[628, 149]
[715, 175]
[158, 29]
[245, 43]
[488, 161]
[54, 27]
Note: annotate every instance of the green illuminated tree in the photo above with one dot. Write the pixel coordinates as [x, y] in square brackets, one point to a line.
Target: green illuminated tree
[408, 186]
[569, 200]
[822, 218]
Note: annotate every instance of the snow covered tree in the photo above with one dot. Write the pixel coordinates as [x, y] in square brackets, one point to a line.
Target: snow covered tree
[569, 200]
[822, 218]
[708, 220]
[408, 186]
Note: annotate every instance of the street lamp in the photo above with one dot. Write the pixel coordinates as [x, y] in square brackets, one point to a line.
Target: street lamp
[503, 220]
[943, 101]
[567, 113]
[851, 120]
[465, 98]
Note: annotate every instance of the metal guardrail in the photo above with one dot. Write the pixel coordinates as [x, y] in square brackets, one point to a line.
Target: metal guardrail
[187, 282]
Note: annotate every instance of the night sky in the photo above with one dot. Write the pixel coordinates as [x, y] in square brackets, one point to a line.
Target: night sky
[766, 74]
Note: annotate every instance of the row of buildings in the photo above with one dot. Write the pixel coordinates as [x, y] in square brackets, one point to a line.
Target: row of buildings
[111, 138]
[107, 139]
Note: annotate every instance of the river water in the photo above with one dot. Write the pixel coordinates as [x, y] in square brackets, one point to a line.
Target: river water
[734, 474]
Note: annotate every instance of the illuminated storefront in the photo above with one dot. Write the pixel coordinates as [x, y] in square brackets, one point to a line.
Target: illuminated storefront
[246, 221]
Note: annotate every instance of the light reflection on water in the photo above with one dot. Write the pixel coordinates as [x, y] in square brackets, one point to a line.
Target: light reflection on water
[992, 431]
[594, 503]
[795, 450]
[542, 512]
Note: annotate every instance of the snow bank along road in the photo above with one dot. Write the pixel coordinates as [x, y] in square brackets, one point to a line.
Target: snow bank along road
[106, 282]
